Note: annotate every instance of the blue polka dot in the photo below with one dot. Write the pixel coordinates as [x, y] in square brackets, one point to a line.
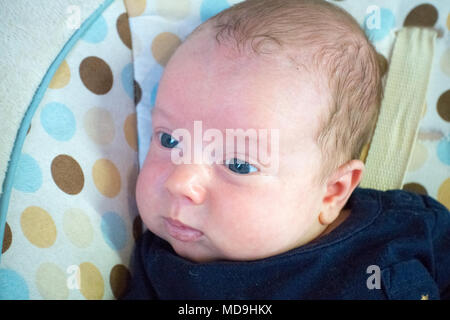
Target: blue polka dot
[28, 176]
[58, 121]
[210, 8]
[97, 32]
[12, 285]
[443, 151]
[153, 95]
[127, 80]
[114, 230]
[378, 24]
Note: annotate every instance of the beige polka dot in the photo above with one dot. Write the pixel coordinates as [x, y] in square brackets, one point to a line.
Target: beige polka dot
[106, 178]
[448, 21]
[92, 286]
[415, 187]
[51, 282]
[77, 227]
[129, 128]
[119, 279]
[123, 29]
[444, 193]
[67, 174]
[38, 227]
[163, 46]
[445, 62]
[96, 75]
[135, 7]
[443, 106]
[99, 125]
[7, 238]
[418, 156]
[173, 9]
[61, 77]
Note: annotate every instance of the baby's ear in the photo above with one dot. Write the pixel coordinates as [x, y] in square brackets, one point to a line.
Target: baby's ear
[339, 188]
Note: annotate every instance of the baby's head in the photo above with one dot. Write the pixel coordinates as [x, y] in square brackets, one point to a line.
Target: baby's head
[302, 70]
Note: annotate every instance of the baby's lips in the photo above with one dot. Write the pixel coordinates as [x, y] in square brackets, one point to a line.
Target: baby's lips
[180, 231]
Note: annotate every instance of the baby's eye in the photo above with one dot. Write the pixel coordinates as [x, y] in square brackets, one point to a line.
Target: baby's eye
[167, 140]
[240, 166]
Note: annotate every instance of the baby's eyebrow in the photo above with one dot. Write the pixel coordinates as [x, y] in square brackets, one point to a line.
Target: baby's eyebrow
[161, 112]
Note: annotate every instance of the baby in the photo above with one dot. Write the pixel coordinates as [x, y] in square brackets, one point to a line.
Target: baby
[296, 226]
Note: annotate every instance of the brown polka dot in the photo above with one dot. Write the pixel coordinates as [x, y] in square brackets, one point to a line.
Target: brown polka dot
[119, 279]
[382, 61]
[123, 29]
[163, 46]
[29, 128]
[443, 106]
[415, 187]
[96, 75]
[137, 93]
[67, 174]
[137, 227]
[7, 238]
[424, 15]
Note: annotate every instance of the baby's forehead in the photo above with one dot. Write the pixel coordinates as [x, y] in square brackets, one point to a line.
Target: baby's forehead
[246, 90]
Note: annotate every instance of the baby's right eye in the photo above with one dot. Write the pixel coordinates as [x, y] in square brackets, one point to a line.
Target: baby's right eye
[167, 140]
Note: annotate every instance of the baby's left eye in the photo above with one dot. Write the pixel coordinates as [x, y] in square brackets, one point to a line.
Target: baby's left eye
[240, 166]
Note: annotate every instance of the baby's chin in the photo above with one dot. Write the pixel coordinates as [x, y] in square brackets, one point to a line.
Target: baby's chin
[203, 254]
[194, 252]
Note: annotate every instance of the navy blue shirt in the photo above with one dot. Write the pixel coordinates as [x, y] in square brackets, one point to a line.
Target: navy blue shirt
[394, 245]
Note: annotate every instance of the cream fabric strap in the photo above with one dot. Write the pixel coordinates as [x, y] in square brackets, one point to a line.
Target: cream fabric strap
[401, 109]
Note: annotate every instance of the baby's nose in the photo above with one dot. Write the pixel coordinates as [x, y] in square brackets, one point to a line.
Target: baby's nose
[188, 181]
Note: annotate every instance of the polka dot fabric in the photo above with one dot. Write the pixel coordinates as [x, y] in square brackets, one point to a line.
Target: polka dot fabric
[158, 28]
[72, 219]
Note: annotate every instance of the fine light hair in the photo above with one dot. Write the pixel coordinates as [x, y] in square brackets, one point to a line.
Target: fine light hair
[332, 47]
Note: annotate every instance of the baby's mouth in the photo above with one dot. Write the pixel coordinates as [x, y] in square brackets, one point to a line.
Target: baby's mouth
[180, 231]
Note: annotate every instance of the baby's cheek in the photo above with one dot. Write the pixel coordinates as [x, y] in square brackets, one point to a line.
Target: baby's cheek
[245, 227]
[149, 189]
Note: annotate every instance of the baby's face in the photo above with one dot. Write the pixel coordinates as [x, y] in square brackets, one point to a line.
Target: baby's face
[224, 211]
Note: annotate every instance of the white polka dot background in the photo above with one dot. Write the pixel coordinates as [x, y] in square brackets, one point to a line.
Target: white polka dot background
[72, 219]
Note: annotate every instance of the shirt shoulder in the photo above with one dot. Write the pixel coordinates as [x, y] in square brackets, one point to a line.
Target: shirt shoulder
[402, 199]
[410, 206]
